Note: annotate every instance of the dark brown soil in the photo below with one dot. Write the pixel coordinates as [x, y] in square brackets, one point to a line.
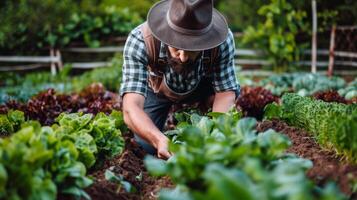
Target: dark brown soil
[327, 166]
[129, 165]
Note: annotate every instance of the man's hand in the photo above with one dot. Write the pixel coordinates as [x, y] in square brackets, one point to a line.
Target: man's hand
[162, 148]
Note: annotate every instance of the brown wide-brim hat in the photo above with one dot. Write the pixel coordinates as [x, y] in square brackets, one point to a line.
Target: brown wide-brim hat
[173, 35]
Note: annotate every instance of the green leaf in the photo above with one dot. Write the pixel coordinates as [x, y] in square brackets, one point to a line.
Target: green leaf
[3, 180]
[77, 192]
[110, 176]
[156, 167]
[5, 125]
[227, 184]
[16, 117]
[272, 111]
[179, 193]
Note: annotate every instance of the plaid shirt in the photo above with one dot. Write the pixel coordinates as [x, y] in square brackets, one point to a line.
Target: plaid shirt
[135, 72]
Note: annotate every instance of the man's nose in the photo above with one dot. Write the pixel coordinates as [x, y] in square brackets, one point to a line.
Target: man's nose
[183, 56]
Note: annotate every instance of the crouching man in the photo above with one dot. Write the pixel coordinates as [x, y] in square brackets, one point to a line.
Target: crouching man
[184, 52]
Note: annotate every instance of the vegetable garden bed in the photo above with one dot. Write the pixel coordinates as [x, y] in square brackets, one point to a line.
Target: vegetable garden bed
[129, 165]
[327, 165]
[126, 175]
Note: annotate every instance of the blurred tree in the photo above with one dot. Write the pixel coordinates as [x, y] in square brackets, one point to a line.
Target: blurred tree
[27, 25]
[142, 6]
[276, 35]
[20, 20]
[242, 13]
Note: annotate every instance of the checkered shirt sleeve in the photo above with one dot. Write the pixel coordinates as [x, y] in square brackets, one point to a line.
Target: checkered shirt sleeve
[224, 79]
[135, 74]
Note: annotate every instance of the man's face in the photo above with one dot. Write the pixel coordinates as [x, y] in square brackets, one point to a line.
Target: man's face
[183, 56]
[182, 61]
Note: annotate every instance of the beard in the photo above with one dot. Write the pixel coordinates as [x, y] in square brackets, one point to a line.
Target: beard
[182, 68]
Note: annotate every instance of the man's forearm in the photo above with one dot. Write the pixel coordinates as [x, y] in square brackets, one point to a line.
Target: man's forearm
[139, 122]
[223, 101]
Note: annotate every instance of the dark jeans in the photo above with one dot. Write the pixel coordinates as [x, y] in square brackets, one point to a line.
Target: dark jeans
[158, 107]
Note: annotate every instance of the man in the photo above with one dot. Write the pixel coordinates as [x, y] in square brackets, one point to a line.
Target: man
[183, 53]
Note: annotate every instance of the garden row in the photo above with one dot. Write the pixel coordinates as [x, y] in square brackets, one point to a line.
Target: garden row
[41, 162]
[307, 84]
[49, 108]
[50, 157]
[334, 125]
[22, 87]
[223, 157]
[49, 104]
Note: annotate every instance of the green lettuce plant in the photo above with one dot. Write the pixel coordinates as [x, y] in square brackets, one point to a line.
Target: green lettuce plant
[38, 162]
[11, 122]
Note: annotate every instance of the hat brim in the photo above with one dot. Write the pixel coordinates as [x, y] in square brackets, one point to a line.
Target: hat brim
[162, 31]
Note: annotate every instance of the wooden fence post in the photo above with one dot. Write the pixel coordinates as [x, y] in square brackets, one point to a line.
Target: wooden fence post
[332, 51]
[314, 38]
[53, 65]
[59, 63]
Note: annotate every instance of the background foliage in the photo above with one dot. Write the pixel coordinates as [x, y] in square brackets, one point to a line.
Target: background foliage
[29, 25]
[276, 35]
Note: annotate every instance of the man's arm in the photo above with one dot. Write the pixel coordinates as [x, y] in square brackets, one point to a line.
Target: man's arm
[139, 122]
[223, 101]
[224, 79]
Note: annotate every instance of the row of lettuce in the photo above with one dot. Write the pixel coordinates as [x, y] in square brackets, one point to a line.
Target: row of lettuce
[22, 87]
[15, 86]
[42, 162]
[223, 157]
[334, 125]
[306, 84]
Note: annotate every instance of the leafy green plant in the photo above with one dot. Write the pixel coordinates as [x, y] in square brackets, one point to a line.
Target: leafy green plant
[305, 84]
[309, 84]
[107, 135]
[11, 122]
[349, 92]
[276, 36]
[45, 161]
[97, 138]
[110, 176]
[37, 163]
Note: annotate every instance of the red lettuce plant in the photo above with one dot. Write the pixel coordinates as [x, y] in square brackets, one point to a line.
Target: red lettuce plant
[252, 101]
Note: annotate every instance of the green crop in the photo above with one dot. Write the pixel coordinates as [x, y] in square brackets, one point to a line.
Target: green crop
[224, 157]
[11, 122]
[38, 162]
[334, 125]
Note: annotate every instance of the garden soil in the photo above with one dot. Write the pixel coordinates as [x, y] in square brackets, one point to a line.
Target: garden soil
[129, 165]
